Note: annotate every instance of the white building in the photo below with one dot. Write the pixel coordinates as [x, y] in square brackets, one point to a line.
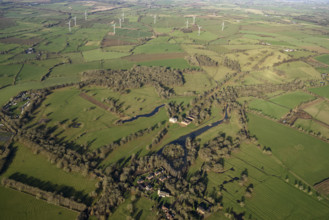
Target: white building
[173, 120]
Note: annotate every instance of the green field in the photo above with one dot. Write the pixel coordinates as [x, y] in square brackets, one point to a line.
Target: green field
[321, 91]
[310, 125]
[291, 100]
[268, 108]
[323, 59]
[97, 54]
[300, 153]
[319, 111]
[18, 205]
[39, 167]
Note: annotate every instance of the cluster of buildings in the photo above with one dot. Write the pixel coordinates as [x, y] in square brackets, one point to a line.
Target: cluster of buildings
[186, 121]
[147, 183]
[168, 213]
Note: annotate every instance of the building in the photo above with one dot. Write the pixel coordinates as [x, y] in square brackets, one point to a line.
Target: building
[163, 193]
[149, 187]
[201, 210]
[149, 177]
[163, 178]
[173, 120]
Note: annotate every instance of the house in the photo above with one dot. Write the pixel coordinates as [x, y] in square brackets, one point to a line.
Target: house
[140, 181]
[186, 122]
[201, 210]
[149, 177]
[149, 187]
[173, 120]
[158, 172]
[163, 193]
[163, 178]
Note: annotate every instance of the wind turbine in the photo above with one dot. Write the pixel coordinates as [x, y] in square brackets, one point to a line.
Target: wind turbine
[113, 28]
[69, 23]
[123, 17]
[155, 19]
[199, 30]
[186, 24]
[194, 20]
[86, 15]
[120, 22]
[75, 21]
[223, 25]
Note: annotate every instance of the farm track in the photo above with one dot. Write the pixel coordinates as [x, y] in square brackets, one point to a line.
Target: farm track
[94, 101]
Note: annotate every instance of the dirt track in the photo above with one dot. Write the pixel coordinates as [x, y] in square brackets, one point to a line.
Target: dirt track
[94, 101]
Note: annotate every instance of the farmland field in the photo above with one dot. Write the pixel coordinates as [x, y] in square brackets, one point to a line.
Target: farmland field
[293, 148]
[268, 108]
[17, 205]
[292, 100]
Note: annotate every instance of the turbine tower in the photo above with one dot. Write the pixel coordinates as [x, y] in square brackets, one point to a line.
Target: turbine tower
[155, 19]
[186, 24]
[193, 19]
[123, 17]
[75, 21]
[120, 22]
[69, 23]
[199, 30]
[223, 25]
[113, 28]
[86, 15]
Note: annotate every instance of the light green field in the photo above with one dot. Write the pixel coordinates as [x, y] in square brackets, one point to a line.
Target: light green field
[98, 54]
[268, 108]
[39, 167]
[31, 73]
[321, 91]
[158, 45]
[291, 100]
[299, 70]
[178, 63]
[323, 58]
[300, 153]
[197, 82]
[310, 125]
[319, 111]
[18, 205]
[143, 205]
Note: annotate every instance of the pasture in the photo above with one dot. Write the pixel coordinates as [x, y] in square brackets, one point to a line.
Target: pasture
[39, 167]
[321, 91]
[268, 108]
[293, 99]
[302, 154]
[18, 205]
[319, 111]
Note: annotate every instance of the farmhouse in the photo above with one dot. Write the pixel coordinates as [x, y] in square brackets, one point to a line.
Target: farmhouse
[173, 120]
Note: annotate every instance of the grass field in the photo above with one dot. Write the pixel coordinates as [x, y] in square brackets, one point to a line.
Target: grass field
[291, 100]
[18, 205]
[300, 153]
[323, 59]
[310, 125]
[319, 111]
[268, 108]
[38, 166]
[321, 91]
[92, 55]
[143, 209]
